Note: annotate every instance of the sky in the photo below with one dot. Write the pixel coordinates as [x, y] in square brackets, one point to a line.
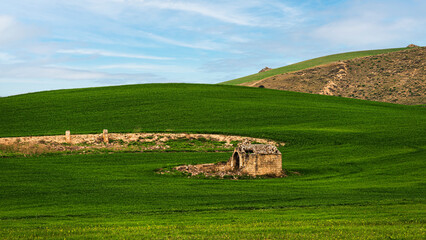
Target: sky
[60, 44]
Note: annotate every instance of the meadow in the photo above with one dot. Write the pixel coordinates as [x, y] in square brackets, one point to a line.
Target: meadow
[361, 167]
[310, 63]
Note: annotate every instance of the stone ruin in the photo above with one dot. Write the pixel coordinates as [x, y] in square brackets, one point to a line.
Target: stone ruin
[256, 159]
[247, 159]
[265, 69]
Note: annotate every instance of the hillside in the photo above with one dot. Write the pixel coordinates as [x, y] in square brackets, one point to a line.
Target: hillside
[310, 63]
[396, 77]
[358, 167]
[188, 108]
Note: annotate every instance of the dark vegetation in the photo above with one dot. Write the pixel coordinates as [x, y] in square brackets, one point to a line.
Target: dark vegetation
[361, 167]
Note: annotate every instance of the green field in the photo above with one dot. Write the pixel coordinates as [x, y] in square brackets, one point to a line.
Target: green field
[362, 167]
[310, 63]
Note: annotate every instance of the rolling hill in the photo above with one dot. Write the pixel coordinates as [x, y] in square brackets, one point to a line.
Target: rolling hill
[360, 167]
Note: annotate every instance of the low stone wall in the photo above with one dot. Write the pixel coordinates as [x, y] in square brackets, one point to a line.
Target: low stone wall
[128, 137]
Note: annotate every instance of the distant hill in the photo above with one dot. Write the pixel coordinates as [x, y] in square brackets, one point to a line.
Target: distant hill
[395, 77]
[309, 63]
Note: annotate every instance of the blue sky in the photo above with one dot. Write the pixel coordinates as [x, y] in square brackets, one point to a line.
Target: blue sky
[54, 44]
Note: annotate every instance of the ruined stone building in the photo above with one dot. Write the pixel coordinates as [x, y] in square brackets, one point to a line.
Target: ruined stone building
[256, 159]
[247, 159]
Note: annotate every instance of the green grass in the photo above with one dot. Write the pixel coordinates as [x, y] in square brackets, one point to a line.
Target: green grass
[120, 196]
[310, 63]
[361, 164]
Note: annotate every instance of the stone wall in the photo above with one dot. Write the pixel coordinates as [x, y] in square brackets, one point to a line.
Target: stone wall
[128, 137]
[262, 164]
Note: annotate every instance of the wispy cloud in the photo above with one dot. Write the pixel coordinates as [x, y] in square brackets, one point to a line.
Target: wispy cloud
[6, 58]
[249, 13]
[148, 67]
[12, 31]
[205, 9]
[359, 24]
[104, 53]
[362, 32]
[22, 78]
[206, 45]
[42, 74]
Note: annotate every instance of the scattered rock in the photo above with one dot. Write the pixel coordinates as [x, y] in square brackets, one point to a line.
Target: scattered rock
[412, 46]
[265, 69]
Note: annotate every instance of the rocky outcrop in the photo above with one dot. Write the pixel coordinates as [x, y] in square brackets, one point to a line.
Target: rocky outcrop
[265, 69]
[412, 46]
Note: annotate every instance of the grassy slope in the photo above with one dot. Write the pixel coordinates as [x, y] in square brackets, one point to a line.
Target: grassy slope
[362, 166]
[309, 63]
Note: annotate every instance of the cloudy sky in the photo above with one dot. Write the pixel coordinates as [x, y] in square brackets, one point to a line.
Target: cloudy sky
[56, 44]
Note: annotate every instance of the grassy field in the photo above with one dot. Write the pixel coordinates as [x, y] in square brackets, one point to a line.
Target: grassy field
[361, 165]
[309, 63]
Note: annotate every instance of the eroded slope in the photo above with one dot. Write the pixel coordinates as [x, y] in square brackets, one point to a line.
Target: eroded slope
[397, 77]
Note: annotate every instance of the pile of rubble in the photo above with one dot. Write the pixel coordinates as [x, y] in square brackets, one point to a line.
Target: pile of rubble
[265, 69]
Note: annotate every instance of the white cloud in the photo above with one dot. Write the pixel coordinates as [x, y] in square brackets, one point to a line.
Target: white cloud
[205, 9]
[112, 8]
[6, 58]
[359, 32]
[245, 13]
[12, 31]
[25, 73]
[251, 13]
[374, 23]
[206, 45]
[31, 79]
[40, 72]
[109, 54]
[149, 67]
